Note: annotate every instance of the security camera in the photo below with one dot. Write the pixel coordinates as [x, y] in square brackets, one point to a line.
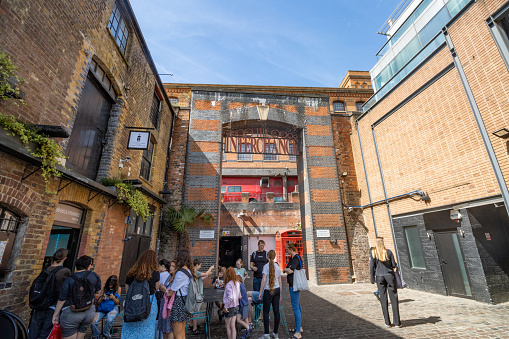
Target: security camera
[127, 158]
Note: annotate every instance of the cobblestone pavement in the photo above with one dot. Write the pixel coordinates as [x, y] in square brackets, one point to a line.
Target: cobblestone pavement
[352, 311]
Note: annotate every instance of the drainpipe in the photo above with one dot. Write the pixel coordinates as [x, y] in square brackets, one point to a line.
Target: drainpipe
[385, 192]
[366, 176]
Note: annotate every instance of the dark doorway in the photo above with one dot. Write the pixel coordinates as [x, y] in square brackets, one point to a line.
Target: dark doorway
[452, 263]
[65, 233]
[133, 248]
[63, 237]
[230, 249]
[86, 140]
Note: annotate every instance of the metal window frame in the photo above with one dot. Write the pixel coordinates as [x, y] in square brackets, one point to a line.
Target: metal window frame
[501, 39]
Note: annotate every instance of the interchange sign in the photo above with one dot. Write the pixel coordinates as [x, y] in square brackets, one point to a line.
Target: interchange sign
[261, 141]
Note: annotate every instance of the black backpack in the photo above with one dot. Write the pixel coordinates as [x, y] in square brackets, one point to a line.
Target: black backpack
[42, 292]
[82, 293]
[137, 302]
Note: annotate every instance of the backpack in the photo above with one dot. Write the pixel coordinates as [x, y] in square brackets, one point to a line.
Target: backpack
[194, 298]
[82, 293]
[42, 292]
[137, 302]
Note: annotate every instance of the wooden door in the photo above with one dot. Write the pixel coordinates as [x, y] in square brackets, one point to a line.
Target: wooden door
[88, 133]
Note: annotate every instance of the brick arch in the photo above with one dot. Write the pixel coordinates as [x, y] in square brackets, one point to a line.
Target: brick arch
[114, 80]
[18, 197]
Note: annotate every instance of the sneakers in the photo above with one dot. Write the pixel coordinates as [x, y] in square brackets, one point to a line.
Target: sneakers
[274, 335]
[265, 336]
[246, 334]
[377, 295]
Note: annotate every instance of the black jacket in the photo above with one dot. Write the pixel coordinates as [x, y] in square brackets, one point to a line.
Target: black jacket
[380, 268]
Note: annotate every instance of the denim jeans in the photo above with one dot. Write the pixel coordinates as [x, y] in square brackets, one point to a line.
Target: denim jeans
[257, 283]
[110, 318]
[41, 324]
[297, 309]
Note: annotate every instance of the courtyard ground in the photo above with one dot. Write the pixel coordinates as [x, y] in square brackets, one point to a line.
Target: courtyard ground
[352, 311]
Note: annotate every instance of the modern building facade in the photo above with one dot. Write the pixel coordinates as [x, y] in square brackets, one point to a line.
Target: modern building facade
[430, 147]
[264, 159]
[89, 77]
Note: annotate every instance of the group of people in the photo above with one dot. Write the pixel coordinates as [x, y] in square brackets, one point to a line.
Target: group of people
[78, 301]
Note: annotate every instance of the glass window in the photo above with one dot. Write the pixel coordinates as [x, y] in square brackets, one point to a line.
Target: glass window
[270, 152]
[118, 28]
[455, 6]
[9, 222]
[277, 182]
[338, 106]
[243, 156]
[155, 110]
[499, 28]
[414, 247]
[358, 106]
[223, 189]
[291, 150]
[146, 161]
[234, 189]
[433, 27]
[145, 227]
[174, 101]
[407, 53]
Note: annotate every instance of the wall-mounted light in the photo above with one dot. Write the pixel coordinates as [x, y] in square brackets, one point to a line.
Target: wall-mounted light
[429, 235]
[502, 133]
[333, 241]
[344, 174]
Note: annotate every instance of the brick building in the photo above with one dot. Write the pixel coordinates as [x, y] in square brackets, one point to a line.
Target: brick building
[89, 76]
[297, 190]
[430, 148]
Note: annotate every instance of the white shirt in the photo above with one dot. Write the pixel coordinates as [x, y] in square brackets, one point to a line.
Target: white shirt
[163, 276]
[277, 271]
[181, 282]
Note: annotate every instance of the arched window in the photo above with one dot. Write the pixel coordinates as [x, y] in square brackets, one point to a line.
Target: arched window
[9, 224]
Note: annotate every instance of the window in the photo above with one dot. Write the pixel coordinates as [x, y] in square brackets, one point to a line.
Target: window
[277, 182]
[358, 106]
[499, 27]
[242, 155]
[118, 28]
[174, 101]
[234, 189]
[146, 161]
[155, 110]
[270, 152]
[224, 153]
[9, 223]
[145, 227]
[223, 189]
[338, 106]
[291, 149]
[414, 247]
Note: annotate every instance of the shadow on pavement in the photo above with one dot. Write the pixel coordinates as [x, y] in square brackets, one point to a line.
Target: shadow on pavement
[420, 321]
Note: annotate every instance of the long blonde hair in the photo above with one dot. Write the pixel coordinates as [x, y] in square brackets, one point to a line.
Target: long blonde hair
[272, 270]
[379, 251]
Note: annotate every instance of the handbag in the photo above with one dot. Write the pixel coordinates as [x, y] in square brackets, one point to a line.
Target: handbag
[56, 332]
[300, 281]
[400, 283]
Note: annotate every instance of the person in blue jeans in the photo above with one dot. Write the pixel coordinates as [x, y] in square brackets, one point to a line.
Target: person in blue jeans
[107, 307]
[258, 260]
[295, 263]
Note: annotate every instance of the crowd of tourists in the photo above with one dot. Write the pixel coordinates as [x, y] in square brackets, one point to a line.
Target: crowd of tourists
[161, 296]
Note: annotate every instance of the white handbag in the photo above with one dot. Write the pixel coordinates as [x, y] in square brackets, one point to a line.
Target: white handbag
[300, 281]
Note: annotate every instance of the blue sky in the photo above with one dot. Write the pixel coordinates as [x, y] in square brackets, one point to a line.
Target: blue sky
[273, 43]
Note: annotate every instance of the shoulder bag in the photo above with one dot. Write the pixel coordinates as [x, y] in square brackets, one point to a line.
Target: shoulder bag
[300, 281]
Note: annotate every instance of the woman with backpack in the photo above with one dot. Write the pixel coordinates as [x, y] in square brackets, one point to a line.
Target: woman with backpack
[140, 309]
[164, 324]
[107, 307]
[270, 293]
[180, 286]
[382, 265]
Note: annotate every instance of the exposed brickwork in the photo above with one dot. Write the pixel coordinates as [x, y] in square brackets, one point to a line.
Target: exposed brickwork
[54, 54]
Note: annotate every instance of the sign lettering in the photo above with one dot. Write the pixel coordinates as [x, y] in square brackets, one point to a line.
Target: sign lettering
[261, 141]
